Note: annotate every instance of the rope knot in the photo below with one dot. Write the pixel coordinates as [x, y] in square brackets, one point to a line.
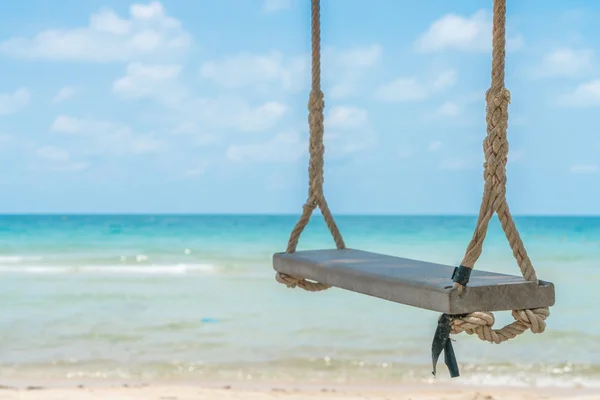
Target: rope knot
[499, 97]
[310, 205]
[495, 145]
[293, 282]
[497, 106]
[316, 102]
[534, 319]
[287, 280]
[481, 324]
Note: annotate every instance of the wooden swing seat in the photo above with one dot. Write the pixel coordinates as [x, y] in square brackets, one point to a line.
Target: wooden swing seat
[415, 283]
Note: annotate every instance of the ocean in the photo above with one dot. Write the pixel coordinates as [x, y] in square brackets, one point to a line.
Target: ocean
[174, 298]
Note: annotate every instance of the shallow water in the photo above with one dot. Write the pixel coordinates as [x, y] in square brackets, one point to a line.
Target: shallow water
[193, 297]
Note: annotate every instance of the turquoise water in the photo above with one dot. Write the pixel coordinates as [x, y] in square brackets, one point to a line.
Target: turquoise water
[180, 298]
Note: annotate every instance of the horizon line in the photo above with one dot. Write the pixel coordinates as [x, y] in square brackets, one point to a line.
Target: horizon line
[255, 214]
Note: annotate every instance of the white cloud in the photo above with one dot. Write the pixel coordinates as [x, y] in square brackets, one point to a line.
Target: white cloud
[345, 144]
[66, 124]
[163, 84]
[273, 6]
[196, 134]
[52, 153]
[340, 145]
[148, 32]
[150, 80]
[516, 155]
[64, 94]
[342, 90]
[197, 170]
[11, 103]
[565, 62]
[345, 68]
[282, 148]
[51, 158]
[290, 146]
[347, 131]
[445, 80]
[235, 113]
[586, 94]
[584, 169]
[411, 90]
[346, 118]
[434, 146]
[448, 109]
[136, 144]
[246, 69]
[401, 89]
[105, 137]
[456, 32]
[355, 57]
[261, 117]
[199, 136]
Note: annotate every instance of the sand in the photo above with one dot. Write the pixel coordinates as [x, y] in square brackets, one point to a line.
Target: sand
[188, 392]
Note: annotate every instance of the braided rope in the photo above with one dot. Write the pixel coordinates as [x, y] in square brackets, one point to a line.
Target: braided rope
[316, 198]
[495, 147]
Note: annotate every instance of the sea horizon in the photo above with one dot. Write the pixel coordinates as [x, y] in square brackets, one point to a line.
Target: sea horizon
[290, 214]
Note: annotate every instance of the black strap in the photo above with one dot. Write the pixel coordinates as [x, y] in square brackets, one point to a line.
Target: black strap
[441, 339]
[461, 275]
[442, 342]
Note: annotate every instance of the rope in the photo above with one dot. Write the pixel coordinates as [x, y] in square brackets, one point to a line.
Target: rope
[495, 147]
[316, 198]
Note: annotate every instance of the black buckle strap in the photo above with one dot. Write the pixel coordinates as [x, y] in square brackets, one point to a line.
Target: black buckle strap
[462, 275]
[442, 342]
[441, 339]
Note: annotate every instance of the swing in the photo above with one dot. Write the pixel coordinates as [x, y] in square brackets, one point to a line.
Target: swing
[465, 297]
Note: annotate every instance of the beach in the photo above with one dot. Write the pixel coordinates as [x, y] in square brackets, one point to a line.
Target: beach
[190, 392]
[177, 307]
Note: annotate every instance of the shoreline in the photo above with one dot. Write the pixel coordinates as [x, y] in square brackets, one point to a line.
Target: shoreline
[82, 390]
[224, 391]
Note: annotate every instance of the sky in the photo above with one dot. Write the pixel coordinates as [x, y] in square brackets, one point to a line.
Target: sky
[197, 106]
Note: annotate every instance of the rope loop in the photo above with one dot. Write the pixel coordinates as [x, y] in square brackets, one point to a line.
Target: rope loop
[316, 198]
[481, 324]
[293, 282]
[495, 148]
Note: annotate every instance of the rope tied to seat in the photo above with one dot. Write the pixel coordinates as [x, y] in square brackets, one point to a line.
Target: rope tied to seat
[316, 198]
[495, 147]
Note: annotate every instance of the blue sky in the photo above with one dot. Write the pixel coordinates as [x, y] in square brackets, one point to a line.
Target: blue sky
[201, 106]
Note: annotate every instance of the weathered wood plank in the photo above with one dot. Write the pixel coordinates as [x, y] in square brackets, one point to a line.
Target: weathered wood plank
[415, 283]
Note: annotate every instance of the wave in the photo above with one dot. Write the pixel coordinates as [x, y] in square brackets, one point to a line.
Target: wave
[177, 269]
[16, 259]
[349, 373]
